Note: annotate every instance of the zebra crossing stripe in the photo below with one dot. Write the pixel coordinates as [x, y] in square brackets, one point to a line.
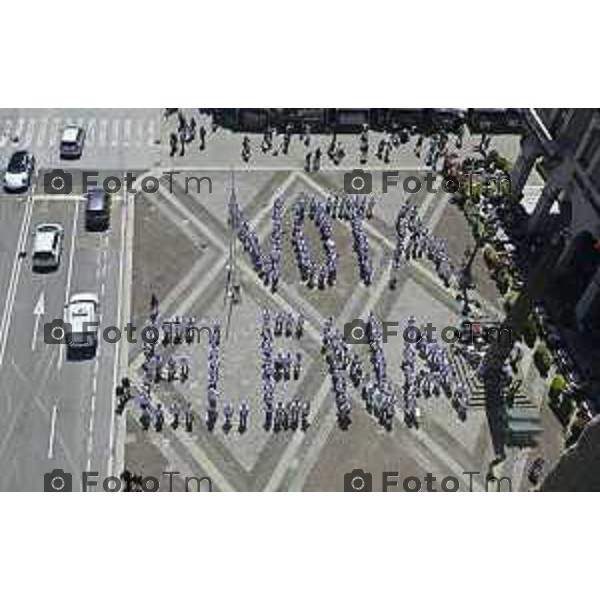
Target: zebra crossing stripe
[90, 131]
[54, 132]
[46, 132]
[5, 133]
[126, 132]
[103, 133]
[29, 130]
[7, 128]
[140, 131]
[19, 129]
[115, 134]
[41, 134]
[151, 132]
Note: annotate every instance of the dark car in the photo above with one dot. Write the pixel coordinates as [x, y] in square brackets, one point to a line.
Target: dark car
[97, 210]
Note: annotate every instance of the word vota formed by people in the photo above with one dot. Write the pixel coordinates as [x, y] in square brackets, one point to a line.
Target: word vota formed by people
[267, 263]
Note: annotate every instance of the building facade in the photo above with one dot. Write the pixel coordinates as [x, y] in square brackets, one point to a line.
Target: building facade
[564, 143]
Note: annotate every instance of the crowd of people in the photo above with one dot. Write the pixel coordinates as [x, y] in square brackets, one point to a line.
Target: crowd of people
[338, 358]
[212, 391]
[311, 272]
[378, 393]
[414, 241]
[185, 133]
[266, 265]
[160, 365]
[426, 366]
[431, 147]
[428, 372]
[294, 414]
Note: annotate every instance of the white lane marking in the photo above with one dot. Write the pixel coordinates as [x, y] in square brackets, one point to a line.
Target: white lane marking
[103, 133]
[14, 278]
[115, 133]
[52, 432]
[38, 312]
[90, 444]
[29, 130]
[90, 132]
[53, 137]
[5, 135]
[19, 130]
[111, 437]
[88, 466]
[41, 136]
[151, 132]
[127, 133]
[61, 354]
[139, 133]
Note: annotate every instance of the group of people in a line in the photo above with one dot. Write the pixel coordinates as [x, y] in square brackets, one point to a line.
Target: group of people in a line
[338, 358]
[429, 372]
[267, 264]
[185, 133]
[378, 393]
[279, 416]
[311, 272]
[414, 241]
[430, 147]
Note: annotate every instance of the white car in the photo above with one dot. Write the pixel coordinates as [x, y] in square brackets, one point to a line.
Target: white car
[47, 246]
[71, 142]
[81, 323]
[19, 171]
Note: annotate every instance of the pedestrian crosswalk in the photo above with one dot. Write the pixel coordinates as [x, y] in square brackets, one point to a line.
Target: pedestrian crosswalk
[110, 133]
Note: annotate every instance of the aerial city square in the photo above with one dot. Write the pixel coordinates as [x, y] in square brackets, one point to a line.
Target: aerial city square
[311, 299]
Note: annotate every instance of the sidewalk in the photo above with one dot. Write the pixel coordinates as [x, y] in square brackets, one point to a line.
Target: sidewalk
[223, 150]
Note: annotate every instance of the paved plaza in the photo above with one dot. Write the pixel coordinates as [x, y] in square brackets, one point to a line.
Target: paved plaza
[176, 243]
[181, 250]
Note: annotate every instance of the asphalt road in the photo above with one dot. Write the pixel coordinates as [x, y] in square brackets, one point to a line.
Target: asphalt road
[56, 412]
[116, 138]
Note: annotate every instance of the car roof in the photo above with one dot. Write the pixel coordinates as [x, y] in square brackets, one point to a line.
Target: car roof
[44, 241]
[19, 156]
[81, 311]
[95, 199]
[83, 297]
[70, 133]
[53, 226]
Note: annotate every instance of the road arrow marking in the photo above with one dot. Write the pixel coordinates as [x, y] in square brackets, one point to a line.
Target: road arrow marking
[39, 311]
